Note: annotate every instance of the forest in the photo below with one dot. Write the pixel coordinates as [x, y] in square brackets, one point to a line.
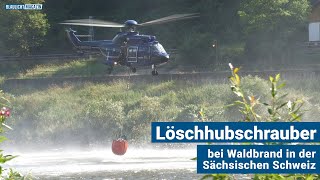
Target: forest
[243, 32]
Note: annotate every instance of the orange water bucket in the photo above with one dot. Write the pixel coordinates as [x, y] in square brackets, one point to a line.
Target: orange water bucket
[119, 146]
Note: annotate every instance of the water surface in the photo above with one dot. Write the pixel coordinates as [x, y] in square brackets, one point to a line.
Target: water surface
[103, 164]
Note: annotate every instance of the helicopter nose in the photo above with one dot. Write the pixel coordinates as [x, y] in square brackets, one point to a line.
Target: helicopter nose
[165, 58]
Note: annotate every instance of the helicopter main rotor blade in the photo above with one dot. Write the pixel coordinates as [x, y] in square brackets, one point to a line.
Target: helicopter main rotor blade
[92, 22]
[175, 17]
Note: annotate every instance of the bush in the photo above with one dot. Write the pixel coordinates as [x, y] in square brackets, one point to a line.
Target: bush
[4, 114]
[278, 108]
[96, 112]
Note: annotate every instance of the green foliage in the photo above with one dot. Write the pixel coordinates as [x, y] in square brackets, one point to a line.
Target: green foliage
[272, 27]
[278, 108]
[4, 99]
[105, 114]
[2, 79]
[199, 51]
[217, 177]
[88, 110]
[268, 177]
[283, 16]
[247, 105]
[24, 30]
[189, 113]
[4, 114]
[277, 103]
[231, 53]
[73, 68]
[286, 177]
[80, 109]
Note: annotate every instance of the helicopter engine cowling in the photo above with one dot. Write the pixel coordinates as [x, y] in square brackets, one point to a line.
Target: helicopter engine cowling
[130, 25]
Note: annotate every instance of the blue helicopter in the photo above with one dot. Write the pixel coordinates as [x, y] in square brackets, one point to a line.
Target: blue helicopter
[127, 48]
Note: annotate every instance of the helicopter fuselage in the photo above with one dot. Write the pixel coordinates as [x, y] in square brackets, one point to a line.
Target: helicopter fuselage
[126, 48]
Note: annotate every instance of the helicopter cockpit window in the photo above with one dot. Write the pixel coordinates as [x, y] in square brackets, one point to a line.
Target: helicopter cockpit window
[143, 52]
[158, 48]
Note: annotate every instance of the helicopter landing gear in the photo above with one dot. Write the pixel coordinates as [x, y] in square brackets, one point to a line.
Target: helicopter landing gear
[133, 70]
[110, 69]
[154, 71]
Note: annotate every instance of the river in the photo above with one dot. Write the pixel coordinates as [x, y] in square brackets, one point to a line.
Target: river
[103, 164]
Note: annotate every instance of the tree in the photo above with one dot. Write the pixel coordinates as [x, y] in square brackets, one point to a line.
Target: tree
[22, 31]
[269, 25]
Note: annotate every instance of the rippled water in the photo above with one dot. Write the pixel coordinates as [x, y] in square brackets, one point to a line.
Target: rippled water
[103, 164]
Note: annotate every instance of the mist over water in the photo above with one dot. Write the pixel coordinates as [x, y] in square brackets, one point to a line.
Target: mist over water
[103, 164]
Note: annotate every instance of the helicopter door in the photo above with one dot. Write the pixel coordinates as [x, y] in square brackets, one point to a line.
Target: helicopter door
[143, 54]
[132, 53]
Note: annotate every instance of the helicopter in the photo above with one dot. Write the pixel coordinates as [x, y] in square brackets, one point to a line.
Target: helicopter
[128, 47]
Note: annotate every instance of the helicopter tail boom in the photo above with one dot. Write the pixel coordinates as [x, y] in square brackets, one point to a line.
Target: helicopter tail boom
[85, 45]
[73, 38]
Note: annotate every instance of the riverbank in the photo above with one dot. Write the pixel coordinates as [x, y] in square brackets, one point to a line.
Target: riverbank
[85, 114]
